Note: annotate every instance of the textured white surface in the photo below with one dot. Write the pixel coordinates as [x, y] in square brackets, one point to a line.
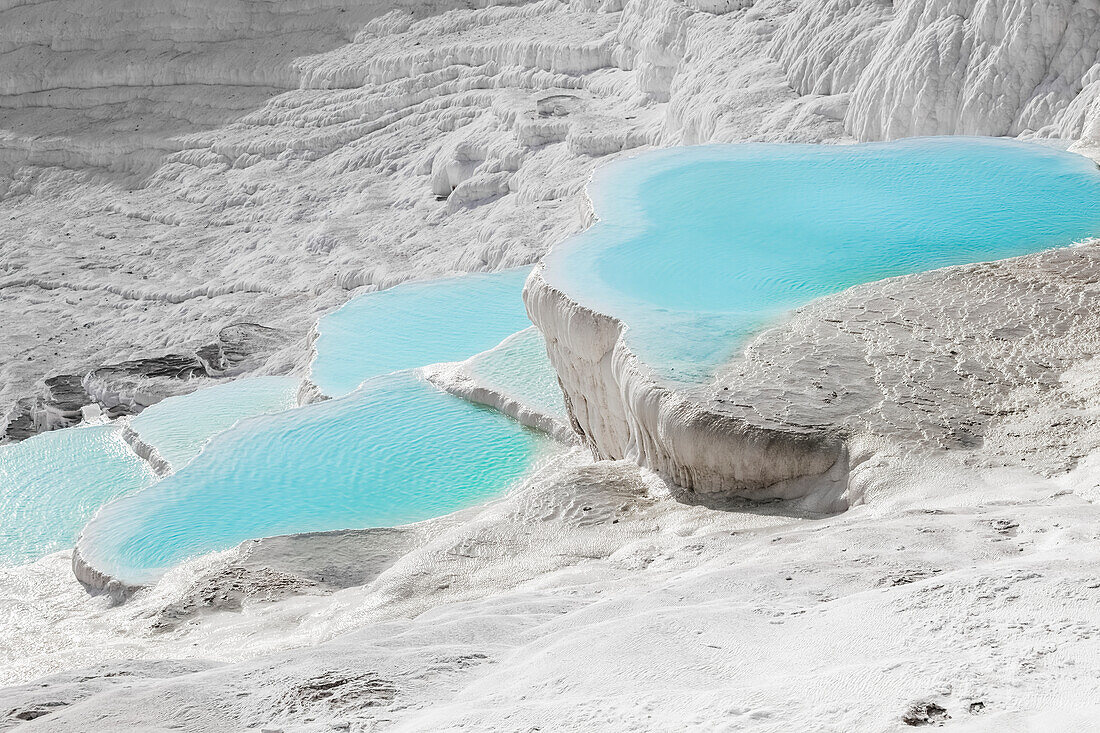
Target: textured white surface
[287, 154]
[164, 172]
[591, 600]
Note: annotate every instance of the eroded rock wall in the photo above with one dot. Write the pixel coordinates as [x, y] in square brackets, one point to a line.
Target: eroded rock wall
[622, 412]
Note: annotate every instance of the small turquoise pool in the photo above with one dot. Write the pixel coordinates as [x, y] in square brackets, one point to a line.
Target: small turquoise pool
[395, 451]
[178, 427]
[53, 483]
[416, 324]
[519, 368]
[698, 248]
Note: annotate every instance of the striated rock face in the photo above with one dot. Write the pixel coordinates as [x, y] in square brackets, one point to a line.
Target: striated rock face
[994, 361]
[983, 67]
[622, 412]
[102, 84]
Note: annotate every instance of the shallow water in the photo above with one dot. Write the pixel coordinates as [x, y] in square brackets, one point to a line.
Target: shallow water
[53, 483]
[395, 451]
[416, 324]
[698, 248]
[519, 368]
[178, 427]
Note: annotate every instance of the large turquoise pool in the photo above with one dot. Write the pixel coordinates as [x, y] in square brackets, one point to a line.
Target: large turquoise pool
[395, 451]
[698, 248]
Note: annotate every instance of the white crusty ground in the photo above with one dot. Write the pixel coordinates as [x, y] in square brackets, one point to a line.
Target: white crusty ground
[287, 156]
[590, 599]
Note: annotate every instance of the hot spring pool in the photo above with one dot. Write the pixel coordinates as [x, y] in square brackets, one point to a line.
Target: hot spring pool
[53, 483]
[416, 324]
[395, 451]
[697, 248]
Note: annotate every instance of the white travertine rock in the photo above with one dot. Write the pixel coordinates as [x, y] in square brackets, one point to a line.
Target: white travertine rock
[984, 67]
[164, 170]
[622, 412]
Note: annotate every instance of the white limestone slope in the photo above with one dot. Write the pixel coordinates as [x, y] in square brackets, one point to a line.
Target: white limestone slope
[289, 154]
[166, 171]
[984, 67]
[113, 85]
[589, 599]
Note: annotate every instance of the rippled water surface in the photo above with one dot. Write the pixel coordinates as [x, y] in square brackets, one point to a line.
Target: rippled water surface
[53, 483]
[520, 369]
[395, 451]
[178, 427]
[417, 324]
[697, 248]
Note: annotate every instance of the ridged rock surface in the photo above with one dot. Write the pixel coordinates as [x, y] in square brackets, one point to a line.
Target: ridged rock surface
[272, 174]
[992, 359]
[622, 411]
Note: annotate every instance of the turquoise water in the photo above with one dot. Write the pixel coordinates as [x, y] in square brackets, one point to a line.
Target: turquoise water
[178, 427]
[53, 483]
[520, 369]
[248, 465]
[416, 324]
[393, 452]
[698, 248]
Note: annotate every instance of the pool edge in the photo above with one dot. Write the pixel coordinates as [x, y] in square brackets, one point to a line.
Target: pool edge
[621, 411]
[98, 582]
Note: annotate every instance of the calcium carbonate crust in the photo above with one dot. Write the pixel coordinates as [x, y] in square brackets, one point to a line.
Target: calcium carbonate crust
[146, 452]
[451, 378]
[273, 190]
[621, 411]
[99, 582]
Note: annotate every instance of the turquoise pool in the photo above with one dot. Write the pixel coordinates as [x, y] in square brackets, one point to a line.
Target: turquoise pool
[53, 483]
[178, 427]
[698, 248]
[416, 324]
[395, 451]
